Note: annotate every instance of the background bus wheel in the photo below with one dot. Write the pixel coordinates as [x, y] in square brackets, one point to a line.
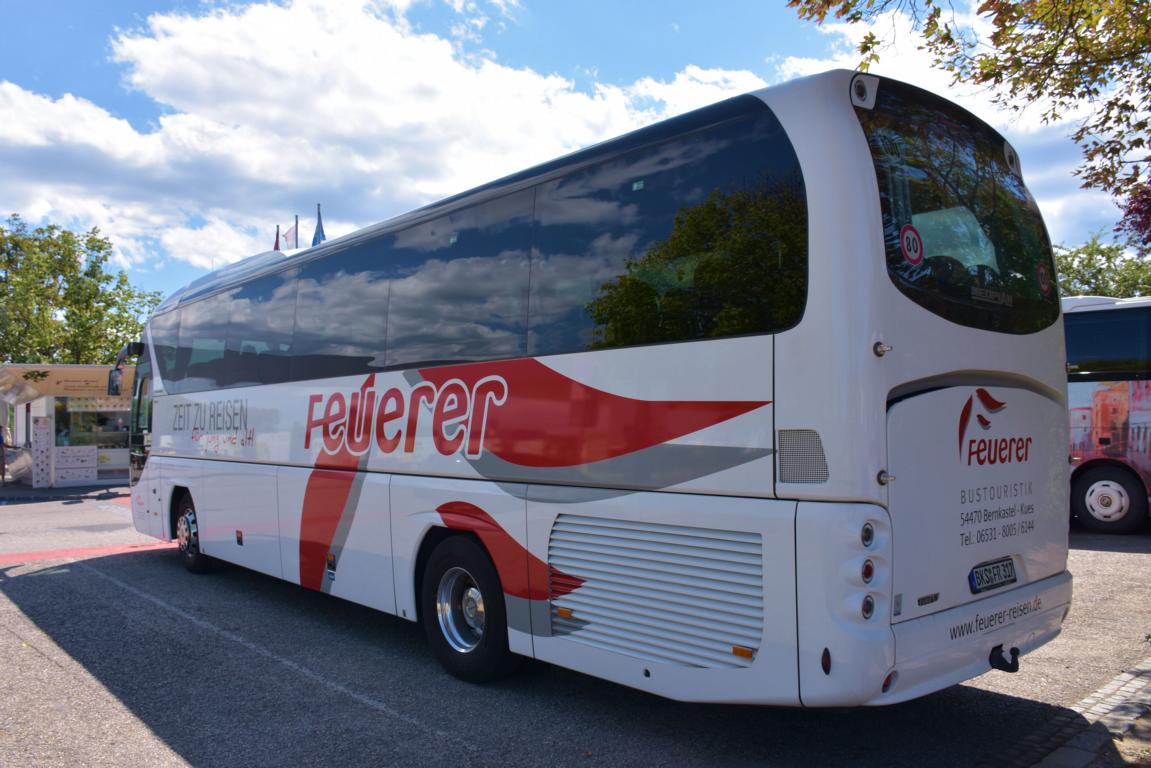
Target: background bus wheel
[462, 610]
[1109, 500]
[188, 537]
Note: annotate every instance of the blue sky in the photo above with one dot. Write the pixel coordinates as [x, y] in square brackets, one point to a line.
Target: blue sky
[186, 130]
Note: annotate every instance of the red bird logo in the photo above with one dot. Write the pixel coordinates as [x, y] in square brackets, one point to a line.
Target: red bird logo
[989, 403]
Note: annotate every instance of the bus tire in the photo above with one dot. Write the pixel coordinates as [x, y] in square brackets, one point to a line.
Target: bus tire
[463, 613]
[188, 536]
[1109, 500]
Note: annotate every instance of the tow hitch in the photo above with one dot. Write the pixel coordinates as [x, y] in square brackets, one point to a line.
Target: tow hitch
[998, 659]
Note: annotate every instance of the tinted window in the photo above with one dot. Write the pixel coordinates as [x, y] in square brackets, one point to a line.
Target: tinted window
[1108, 342]
[702, 236]
[203, 334]
[263, 315]
[341, 311]
[165, 330]
[964, 237]
[460, 285]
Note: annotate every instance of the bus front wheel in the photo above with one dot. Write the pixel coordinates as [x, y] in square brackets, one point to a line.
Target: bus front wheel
[188, 537]
[463, 613]
[1109, 500]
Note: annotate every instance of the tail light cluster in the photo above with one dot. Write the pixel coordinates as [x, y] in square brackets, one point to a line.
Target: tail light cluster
[872, 569]
[874, 579]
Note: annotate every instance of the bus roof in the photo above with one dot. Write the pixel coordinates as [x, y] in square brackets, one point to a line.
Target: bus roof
[1093, 303]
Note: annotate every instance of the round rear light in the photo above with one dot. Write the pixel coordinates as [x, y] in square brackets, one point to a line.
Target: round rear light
[868, 606]
[867, 535]
[868, 572]
[889, 681]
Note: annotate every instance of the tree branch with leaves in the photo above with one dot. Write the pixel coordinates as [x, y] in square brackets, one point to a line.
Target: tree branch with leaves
[1059, 55]
[58, 302]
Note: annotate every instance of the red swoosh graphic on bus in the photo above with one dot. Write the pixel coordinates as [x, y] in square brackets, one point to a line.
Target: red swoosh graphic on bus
[964, 416]
[325, 501]
[550, 420]
[509, 556]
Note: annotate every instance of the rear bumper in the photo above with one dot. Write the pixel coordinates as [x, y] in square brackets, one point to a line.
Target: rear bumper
[949, 647]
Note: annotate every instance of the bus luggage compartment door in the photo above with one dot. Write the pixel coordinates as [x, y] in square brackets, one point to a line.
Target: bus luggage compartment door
[978, 499]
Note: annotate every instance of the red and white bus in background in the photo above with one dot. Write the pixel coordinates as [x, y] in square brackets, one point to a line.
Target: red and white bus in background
[763, 403]
[1109, 397]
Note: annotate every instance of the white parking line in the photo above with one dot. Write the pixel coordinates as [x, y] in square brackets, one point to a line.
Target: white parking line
[300, 669]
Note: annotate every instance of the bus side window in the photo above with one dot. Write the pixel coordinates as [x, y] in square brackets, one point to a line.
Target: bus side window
[263, 317]
[1108, 342]
[459, 285]
[341, 310]
[165, 330]
[701, 236]
[203, 332]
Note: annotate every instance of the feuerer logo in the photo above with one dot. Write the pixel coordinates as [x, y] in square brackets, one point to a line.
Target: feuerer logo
[989, 450]
[352, 421]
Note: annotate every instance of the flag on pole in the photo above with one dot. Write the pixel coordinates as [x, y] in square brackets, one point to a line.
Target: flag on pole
[319, 236]
[291, 238]
[276, 247]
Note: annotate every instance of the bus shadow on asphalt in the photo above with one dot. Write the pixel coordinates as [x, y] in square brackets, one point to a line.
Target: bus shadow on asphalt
[239, 668]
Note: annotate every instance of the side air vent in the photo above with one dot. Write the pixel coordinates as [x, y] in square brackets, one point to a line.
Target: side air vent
[801, 458]
[664, 593]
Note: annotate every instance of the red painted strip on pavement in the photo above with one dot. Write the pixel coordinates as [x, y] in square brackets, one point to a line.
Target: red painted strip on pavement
[14, 558]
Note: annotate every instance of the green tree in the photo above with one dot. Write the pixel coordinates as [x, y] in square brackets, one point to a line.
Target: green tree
[1102, 269]
[1055, 55]
[58, 302]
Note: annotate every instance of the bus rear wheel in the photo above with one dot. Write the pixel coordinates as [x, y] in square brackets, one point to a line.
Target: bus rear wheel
[1109, 500]
[463, 613]
[188, 537]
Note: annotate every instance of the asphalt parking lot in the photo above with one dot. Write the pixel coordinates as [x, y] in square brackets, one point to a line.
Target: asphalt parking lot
[112, 654]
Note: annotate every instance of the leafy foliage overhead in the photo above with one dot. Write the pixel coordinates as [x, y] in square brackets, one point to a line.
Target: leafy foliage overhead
[58, 303]
[1055, 55]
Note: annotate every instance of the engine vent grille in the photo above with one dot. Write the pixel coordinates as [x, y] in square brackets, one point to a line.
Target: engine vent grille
[664, 593]
[801, 458]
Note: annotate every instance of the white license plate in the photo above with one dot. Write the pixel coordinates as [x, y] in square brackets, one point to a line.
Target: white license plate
[992, 575]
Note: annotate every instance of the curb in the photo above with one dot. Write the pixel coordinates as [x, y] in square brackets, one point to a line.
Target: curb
[1109, 714]
[14, 494]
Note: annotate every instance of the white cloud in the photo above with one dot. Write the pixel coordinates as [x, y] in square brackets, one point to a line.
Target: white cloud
[696, 87]
[362, 113]
[207, 245]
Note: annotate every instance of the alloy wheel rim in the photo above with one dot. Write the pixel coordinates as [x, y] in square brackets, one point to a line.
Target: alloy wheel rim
[186, 534]
[460, 610]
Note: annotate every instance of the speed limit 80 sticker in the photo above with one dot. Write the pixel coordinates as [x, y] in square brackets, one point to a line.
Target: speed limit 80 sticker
[911, 244]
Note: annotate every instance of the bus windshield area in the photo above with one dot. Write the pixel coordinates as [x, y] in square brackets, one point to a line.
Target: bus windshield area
[963, 236]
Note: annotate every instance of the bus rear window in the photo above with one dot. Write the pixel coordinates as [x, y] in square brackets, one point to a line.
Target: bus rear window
[963, 236]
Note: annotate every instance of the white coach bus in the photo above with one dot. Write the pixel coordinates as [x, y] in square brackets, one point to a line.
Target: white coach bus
[764, 403]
